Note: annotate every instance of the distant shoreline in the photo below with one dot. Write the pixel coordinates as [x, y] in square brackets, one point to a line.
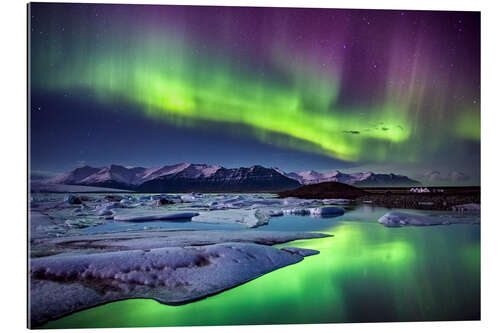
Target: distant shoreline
[393, 197]
[389, 197]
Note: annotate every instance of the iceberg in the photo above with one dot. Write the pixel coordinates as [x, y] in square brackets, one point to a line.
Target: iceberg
[400, 219]
[252, 218]
[326, 211]
[336, 201]
[172, 215]
[190, 197]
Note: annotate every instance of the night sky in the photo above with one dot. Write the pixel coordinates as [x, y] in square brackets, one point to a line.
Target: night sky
[371, 90]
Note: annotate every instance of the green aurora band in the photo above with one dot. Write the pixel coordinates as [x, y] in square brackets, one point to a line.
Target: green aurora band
[167, 75]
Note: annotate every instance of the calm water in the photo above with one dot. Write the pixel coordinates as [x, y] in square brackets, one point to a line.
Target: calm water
[366, 272]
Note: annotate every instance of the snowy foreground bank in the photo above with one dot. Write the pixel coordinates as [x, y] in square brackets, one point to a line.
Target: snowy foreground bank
[164, 267]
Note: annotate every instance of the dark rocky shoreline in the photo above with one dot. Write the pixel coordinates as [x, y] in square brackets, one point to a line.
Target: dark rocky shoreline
[443, 198]
[419, 201]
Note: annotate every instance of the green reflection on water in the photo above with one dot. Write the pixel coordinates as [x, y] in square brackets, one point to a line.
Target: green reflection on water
[365, 273]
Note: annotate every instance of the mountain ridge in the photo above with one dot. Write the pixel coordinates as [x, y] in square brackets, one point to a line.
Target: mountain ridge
[359, 179]
[192, 177]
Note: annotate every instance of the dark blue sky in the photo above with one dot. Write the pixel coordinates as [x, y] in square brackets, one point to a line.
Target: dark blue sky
[69, 130]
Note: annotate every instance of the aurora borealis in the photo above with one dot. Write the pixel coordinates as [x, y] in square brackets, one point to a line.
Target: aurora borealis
[309, 88]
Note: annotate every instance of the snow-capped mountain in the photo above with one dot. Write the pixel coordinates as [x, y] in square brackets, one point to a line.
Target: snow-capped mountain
[183, 177]
[116, 174]
[380, 179]
[356, 179]
[73, 177]
[218, 179]
[186, 169]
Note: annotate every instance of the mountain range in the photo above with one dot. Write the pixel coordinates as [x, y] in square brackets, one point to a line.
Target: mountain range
[189, 177]
[359, 179]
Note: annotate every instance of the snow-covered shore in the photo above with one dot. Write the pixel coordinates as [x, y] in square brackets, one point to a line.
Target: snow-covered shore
[171, 275]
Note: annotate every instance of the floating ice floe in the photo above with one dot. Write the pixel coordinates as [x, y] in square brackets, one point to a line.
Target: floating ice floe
[191, 197]
[250, 217]
[172, 215]
[81, 223]
[110, 205]
[291, 201]
[296, 211]
[336, 201]
[399, 219]
[240, 201]
[126, 202]
[315, 212]
[326, 211]
[274, 213]
[104, 212]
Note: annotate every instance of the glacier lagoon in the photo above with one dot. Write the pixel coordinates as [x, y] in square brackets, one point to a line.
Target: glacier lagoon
[367, 272]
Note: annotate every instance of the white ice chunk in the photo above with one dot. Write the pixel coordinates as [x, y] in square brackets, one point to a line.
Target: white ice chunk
[250, 217]
[104, 212]
[336, 201]
[398, 219]
[315, 212]
[190, 197]
[326, 211]
[296, 211]
[171, 215]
